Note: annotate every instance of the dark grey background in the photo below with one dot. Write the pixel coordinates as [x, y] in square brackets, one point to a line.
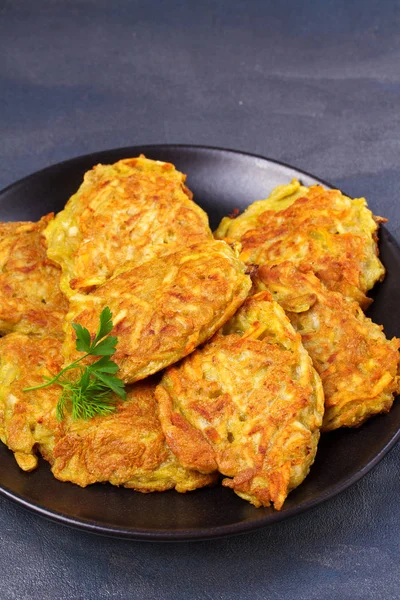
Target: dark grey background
[312, 83]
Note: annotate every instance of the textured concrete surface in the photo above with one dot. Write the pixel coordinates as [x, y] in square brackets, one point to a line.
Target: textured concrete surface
[315, 84]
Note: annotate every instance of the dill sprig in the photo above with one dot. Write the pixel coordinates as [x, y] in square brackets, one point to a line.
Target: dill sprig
[94, 393]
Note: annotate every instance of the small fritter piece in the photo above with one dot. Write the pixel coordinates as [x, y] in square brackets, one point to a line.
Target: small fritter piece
[334, 235]
[27, 419]
[249, 403]
[133, 210]
[358, 366]
[164, 308]
[30, 296]
[126, 448]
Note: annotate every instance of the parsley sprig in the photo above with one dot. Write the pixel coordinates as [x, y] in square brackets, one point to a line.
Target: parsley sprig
[94, 393]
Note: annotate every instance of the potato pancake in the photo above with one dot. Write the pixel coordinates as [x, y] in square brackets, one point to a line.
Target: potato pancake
[27, 419]
[125, 448]
[249, 403]
[334, 235]
[165, 307]
[358, 366]
[133, 210]
[30, 297]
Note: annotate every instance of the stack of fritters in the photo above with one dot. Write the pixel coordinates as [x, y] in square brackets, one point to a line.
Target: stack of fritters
[132, 239]
[240, 395]
[126, 448]
[317, 254]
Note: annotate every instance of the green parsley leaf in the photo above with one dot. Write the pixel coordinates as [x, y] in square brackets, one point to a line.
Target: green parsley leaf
[105, 365]
[83, 339]
[114, 383]
[105, 347]
[105, 325]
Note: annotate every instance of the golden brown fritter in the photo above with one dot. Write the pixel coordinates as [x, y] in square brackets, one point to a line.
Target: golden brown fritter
[249, 403]
[125, 448]
[27, 419]
[358, 366]
[30, 296]
[133, 210]
[334, 235]
[165, 307]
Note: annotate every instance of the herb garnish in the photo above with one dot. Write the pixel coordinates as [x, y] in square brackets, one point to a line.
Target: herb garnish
[92, 393]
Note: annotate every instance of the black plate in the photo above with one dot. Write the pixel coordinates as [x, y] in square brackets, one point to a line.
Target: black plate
[221, 181]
